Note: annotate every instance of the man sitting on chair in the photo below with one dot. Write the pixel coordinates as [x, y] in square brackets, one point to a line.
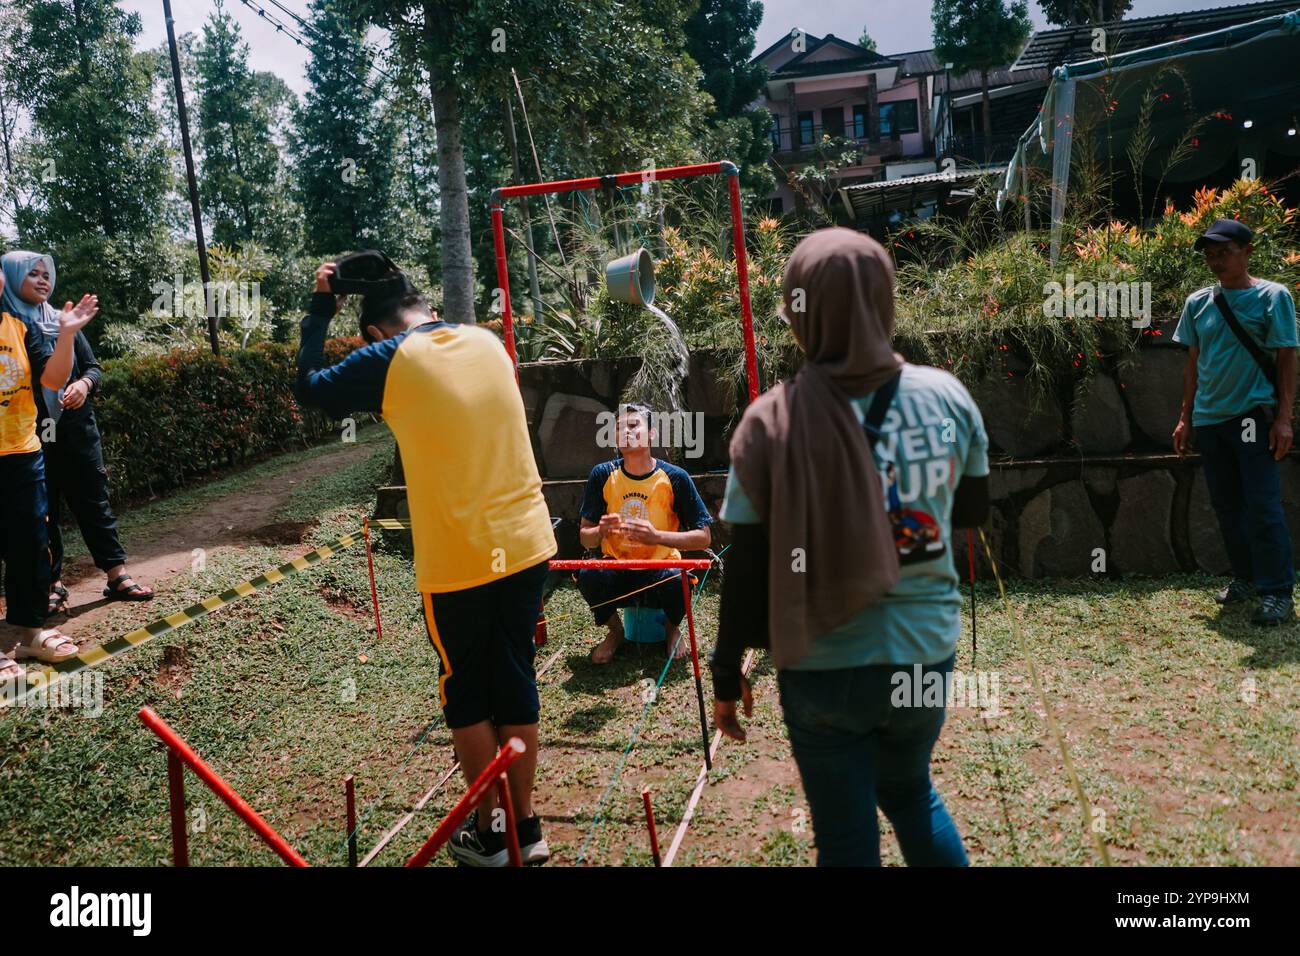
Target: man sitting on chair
[639, 508]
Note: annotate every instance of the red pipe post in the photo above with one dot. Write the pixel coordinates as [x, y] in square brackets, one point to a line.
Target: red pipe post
[511, 752]
[512, 835]
[650, 825]
[695, 662]
[742, 276]
[350, 792]
[222, 789]
[176, 801]
[539, 633]
[503, 282]
[374, 590]
[970, 557]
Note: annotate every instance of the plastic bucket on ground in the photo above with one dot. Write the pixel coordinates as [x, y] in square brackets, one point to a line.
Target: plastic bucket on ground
[644, 625]
[632, 278]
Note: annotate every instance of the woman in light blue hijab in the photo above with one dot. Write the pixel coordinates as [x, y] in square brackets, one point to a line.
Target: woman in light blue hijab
[74, 461]
[17, 265]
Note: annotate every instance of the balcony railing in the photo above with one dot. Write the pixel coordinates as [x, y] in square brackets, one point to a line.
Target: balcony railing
[800, 144]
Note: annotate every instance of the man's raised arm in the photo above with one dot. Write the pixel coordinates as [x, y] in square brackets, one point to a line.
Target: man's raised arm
[354, 385]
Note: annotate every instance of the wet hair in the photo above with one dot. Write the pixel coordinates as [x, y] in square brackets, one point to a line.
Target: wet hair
[388, 311]
[635, 408]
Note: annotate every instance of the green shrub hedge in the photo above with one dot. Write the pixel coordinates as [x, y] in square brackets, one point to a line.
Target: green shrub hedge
[166, 419]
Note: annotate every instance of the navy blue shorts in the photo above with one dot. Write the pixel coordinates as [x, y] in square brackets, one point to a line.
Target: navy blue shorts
[484, 638]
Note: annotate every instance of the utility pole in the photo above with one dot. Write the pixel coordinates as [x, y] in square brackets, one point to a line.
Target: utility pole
[193, 182]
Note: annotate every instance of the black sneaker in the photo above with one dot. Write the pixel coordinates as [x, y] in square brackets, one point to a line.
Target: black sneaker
[532, 845]
[1274, 609]
[474, 847]
[1238, 590]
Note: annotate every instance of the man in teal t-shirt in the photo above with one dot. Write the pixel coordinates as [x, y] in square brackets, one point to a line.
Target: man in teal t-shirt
[1238, 398]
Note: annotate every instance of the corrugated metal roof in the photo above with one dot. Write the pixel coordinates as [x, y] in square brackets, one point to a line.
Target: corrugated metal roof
[1048, 49]
[960, 176]
[911, 192]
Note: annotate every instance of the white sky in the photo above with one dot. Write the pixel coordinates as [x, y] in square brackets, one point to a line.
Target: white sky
[899, 26]
[896, 25]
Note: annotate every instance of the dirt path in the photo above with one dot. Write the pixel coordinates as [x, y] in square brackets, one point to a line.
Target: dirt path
[159, 551]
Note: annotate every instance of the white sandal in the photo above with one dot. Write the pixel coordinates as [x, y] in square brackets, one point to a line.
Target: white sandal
[46, 646]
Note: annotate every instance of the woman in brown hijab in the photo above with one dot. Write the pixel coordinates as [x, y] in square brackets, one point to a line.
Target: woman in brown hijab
[841, 561]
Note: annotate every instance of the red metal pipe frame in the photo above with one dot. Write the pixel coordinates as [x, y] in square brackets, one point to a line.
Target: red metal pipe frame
[578, 564]
[511, 752]
[629, 179]
[213, 780]
[618, 179]
[695, 663]
[684, 564]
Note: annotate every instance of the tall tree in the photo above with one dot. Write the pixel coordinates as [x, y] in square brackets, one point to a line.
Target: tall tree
[10, 198]
[979, 35]
[98, 170]
[1068, 13]
[866, 41]
[414, 193]
[720, 37]
[343, 140]
[240, 179]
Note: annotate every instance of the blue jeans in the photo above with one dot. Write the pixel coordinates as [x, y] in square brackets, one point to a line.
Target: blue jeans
[857, 751]
[1245, 487]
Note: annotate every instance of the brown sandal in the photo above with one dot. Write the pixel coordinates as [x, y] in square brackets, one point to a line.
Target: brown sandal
[58, 601]
[132, 592]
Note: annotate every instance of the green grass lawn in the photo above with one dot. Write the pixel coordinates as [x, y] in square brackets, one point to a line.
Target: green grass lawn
[1181, 721]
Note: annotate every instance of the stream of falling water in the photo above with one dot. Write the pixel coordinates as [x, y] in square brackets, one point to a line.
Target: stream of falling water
[678, 344]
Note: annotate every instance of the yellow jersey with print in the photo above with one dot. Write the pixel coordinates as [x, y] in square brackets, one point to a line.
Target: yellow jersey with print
[666, 497]
[449, 394]
[22, 357]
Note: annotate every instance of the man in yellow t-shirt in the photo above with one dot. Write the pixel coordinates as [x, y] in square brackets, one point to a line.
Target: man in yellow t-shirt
[639, 508]
[480, 526]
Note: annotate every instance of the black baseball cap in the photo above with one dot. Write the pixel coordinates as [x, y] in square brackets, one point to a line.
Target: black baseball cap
[369, 273]
[1224, 230]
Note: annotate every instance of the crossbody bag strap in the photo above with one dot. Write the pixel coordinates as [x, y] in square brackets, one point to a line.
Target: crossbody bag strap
[1266, 364]
[879, 408]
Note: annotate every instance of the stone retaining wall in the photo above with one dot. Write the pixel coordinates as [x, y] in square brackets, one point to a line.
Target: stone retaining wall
[1090, 468]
